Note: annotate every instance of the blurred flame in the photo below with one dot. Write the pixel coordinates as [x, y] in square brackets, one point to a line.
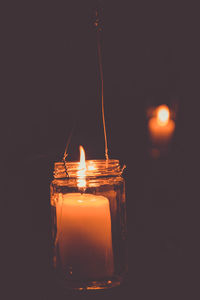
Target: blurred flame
[163, 115]
[81, 182]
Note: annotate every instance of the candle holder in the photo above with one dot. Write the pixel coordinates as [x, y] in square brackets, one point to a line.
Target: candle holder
[89, 225]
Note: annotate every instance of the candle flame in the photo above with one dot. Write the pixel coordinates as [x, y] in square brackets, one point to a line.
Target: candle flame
[82, 164]
[163, 115]
[81, 182]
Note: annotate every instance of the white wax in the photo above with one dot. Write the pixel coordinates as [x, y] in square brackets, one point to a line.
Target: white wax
[84, 235]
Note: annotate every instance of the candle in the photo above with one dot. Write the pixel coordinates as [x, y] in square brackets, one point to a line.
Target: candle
[161, 127]
[84, 235]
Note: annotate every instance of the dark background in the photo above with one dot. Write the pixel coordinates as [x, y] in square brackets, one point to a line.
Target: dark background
[51, 86]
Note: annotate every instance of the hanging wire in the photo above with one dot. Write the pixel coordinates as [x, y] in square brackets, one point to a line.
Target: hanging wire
[98, 26]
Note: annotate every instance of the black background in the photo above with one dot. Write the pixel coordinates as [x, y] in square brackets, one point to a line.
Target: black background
[51, 86]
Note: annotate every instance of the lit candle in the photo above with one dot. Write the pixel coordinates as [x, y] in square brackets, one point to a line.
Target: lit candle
[84, 231]
[161, 127]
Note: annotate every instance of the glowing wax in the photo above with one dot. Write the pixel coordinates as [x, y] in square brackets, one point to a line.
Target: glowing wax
[84, 235]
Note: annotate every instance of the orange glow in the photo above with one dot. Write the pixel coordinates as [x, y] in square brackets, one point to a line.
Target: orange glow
[163, 115]
[161, 126]
[91, 166]
[81, 182]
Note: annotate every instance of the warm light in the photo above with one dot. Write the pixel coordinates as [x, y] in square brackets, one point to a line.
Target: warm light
[81, 182]
[82, 164]
[161, 127]
[162, 115]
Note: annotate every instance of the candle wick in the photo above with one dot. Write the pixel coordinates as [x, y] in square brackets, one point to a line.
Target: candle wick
[98, 25]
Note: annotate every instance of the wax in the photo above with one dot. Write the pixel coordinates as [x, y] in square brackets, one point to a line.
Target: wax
[84, 236]
[160, 134]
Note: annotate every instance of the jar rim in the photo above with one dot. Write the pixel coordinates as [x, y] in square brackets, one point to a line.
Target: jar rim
[93, 168]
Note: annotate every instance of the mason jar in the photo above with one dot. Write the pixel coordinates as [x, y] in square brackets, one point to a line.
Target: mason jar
[89, 224]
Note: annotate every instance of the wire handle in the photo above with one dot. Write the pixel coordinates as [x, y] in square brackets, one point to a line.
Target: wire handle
[98, 27]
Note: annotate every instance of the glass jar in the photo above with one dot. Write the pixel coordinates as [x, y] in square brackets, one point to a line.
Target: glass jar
[89, 224]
